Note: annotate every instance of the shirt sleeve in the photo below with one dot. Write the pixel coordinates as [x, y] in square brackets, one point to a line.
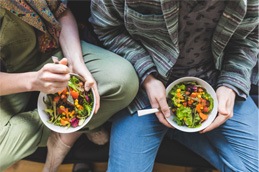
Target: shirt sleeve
[61, 8]
[240, 57]
[108, 21]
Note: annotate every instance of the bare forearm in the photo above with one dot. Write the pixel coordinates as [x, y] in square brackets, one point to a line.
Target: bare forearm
[71, 47]
[15, 83]
[70, 41]
[51, 78]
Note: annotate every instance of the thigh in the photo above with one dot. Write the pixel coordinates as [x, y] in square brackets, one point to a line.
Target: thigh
[234, 145]
[134, 142]
[20, 132]
[12, 104]
[20, 137]
[108, 68]
[116, 80]
[241, 133]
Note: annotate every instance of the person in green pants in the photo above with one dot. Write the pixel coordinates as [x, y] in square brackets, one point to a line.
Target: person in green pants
[30, 33]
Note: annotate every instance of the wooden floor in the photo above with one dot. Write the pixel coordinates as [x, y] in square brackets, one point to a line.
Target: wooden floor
[28, 166]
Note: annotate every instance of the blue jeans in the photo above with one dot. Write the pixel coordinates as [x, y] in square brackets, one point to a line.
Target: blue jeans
[231, 147]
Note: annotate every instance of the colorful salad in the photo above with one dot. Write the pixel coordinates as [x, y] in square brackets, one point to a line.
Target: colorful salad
[190, 103]
[62, 113]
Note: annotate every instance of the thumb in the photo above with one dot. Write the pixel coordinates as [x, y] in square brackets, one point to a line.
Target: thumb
[88, 85]
[63, 61]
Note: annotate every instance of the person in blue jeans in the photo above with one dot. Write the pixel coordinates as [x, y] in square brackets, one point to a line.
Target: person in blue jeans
[164, 40]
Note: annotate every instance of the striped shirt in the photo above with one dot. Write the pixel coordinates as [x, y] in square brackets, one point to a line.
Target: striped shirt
[146, 34]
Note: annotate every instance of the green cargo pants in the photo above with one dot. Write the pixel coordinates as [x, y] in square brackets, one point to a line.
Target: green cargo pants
[21, 131]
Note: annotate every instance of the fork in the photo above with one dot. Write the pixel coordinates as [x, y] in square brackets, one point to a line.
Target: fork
[143, 112]
[69, 97]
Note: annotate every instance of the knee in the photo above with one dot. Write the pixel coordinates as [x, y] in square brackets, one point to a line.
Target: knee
[128, 81]
[124, 82]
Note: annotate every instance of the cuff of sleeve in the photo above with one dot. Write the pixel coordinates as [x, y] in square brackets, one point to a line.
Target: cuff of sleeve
[241, 95]
[240, 85]
[151, 71]
[144, 68]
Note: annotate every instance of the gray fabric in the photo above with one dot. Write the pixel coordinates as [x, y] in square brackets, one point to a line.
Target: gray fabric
[197, 21]
[150, 41]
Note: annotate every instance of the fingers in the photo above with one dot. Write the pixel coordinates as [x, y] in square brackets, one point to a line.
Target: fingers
[56, 68]
[97, 99]
[219, 120]
[63, 61]
[52, 77]
[164, 112]
[162, 119]
[53, 87]
[89, 83]
[164, 108]
[226, 99]
[56, 72]
[225, 112]
[157, 97]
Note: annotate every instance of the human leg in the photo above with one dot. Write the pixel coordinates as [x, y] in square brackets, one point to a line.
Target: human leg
[58, 146]
[100, 136]
[117, 85]
[134, 142]
[234, 145]
[22, 133]
[116, 79]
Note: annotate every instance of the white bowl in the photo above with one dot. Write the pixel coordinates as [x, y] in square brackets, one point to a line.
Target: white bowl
[44, 117]
[212, 115]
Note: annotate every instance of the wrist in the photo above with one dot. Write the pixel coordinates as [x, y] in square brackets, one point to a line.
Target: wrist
[30, 83]
[148, 80]
[75, 63]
